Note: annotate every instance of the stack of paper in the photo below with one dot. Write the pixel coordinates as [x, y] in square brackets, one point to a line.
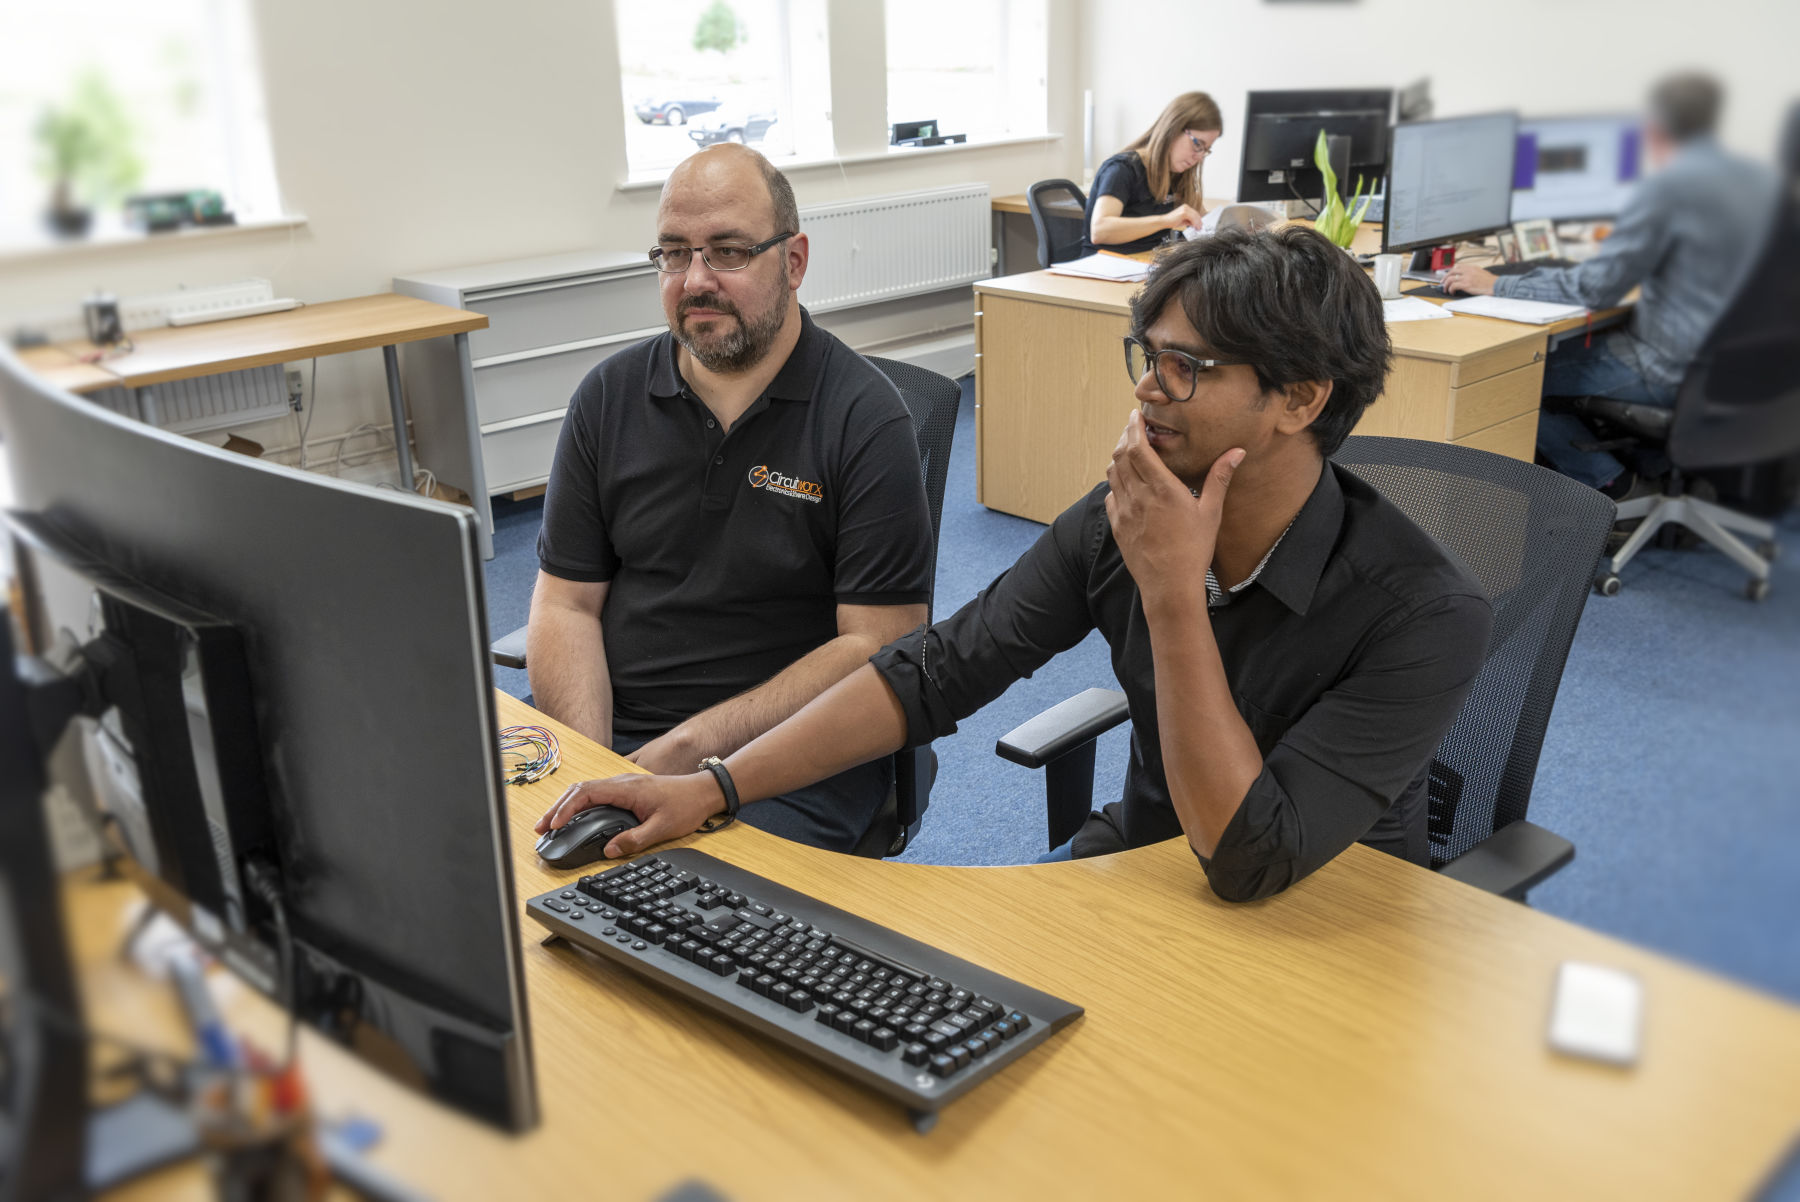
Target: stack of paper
[1536, 313]
[1104, 267]
[1411, 308]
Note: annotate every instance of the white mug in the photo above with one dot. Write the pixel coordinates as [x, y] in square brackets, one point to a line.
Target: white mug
[1387, 276]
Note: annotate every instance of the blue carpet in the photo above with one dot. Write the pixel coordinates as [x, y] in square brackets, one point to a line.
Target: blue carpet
[1670, 762]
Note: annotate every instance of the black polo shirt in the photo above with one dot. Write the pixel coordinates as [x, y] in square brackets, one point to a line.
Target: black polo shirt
[1348, 657]
[728, 552]
[1125, 177]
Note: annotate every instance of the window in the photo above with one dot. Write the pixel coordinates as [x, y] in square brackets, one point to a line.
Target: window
[132, 99]
[973, 67]
[697, 72]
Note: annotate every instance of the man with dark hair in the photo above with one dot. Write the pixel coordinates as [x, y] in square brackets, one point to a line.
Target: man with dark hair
[735, 517]
[1292, 646]
[1686, 238]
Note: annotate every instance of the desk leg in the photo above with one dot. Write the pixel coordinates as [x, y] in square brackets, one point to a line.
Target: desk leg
[390, 355]
[145, 400]
[999, 224]
[478, 495]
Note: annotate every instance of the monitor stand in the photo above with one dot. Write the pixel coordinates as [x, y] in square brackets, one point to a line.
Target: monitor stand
[53, 1143]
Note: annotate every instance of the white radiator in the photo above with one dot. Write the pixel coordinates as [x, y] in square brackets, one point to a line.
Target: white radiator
[233, 398]
[890, 246]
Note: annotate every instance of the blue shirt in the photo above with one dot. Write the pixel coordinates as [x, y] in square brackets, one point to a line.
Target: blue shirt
[1686, 238]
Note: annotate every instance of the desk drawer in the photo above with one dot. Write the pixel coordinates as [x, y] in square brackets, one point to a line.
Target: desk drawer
[518, 387]
[1496, 399]
[520, 455]
[1516, 438]
[524, 316]
[1500, 360]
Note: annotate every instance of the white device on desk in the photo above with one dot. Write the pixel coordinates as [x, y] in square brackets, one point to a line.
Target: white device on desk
[1597, 1013]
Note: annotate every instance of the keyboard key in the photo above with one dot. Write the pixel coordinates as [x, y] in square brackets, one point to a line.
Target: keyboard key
[943, 1065]
[827, 1012]
[550, 903]
[1018, 1020]
[915, 1054]
[799, 1001]
[977, 1048]
[883, 1040]
[862, 1028]
[1005, 1030]
[722, 965]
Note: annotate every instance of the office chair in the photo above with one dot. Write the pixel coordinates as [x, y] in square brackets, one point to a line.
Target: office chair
[1059, 214]
[1532, 538]
[932, 400]
[1738, 404]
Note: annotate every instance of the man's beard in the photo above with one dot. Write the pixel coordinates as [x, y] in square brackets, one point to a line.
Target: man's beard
[742, 346]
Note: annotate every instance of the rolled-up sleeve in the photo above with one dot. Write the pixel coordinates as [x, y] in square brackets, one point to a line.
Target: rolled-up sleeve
[1351, 755]
[1032, 611]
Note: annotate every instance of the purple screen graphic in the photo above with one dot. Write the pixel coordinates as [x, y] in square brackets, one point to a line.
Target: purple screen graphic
[1525, 162]
[1629, 149]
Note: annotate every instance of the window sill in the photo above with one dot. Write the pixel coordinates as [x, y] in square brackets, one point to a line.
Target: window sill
[893, 154]
[50, 250]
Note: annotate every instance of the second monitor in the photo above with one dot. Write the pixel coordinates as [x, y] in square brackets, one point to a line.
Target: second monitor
[1576, 168]
[1281, 130]
[1449, 180]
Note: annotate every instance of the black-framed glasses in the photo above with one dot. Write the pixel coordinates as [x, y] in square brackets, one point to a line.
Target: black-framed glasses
[1177, 372]
[726, 256]
[1200, 146]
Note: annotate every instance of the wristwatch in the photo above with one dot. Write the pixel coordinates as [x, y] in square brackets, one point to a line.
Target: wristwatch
[716, 766]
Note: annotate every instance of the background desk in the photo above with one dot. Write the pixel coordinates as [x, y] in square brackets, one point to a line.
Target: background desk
[443, 422]
[1377, 1031]
[1051, 394]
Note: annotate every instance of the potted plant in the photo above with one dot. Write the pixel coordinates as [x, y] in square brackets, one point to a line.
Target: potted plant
[88, 154]
[1335, 221]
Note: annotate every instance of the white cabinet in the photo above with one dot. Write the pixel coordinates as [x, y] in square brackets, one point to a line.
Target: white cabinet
[550, 320]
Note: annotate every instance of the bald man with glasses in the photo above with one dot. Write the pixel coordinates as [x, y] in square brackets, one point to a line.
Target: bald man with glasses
[735, 518]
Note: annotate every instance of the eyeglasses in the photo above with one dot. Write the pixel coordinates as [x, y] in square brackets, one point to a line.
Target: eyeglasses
[1199, 146]
[727, 256]
[1177, 372]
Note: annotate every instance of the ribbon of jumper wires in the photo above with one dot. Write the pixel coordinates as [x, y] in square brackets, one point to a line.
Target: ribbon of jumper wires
[531, 753]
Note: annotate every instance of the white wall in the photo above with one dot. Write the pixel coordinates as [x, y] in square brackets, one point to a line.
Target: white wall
[1567, 56]
[424, 134]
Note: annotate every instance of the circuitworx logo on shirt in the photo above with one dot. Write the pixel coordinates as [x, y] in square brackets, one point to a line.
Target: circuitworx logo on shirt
[788, 486]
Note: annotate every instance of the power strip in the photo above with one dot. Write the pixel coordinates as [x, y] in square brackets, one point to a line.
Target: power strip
[196, 317]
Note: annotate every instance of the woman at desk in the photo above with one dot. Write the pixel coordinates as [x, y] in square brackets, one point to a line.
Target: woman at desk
[1153, 185]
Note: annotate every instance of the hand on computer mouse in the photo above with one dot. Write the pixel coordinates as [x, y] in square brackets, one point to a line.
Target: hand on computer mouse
[1472, 281]
[667, 807]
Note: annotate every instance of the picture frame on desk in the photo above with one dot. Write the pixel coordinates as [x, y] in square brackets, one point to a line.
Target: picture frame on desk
[1537, 240]
[1509, 246]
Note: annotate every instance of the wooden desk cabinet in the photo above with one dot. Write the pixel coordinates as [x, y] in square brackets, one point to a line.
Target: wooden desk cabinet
[1051, 391]
[550, 320]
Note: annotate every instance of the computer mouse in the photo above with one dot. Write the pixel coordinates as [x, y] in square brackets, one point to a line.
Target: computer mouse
[583, 838]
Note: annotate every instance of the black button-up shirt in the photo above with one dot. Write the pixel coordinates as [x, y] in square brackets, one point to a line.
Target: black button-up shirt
[728, 551]
[1348, 658]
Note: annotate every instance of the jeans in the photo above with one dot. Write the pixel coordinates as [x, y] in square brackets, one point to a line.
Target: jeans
[1065, 852]
[833, 814]
[1608, 367]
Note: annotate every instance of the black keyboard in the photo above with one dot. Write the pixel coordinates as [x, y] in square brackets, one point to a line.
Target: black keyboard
[916, 1024]
[1436, 292]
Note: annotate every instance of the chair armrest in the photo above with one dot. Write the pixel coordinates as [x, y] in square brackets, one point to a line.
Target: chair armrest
[509, 652]
[1062, 728]
[1512, 860]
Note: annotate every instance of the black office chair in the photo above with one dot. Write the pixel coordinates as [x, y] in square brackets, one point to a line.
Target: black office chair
[1739, 402]
[1531, 537]
[932, 400]
[1059, 214]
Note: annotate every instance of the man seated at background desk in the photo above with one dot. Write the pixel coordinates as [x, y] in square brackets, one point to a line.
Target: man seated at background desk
[735, 517]
[1293, 649]
[1685, 238]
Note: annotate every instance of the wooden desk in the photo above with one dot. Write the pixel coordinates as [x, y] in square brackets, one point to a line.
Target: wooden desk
[1051, 393]
[443, 426]
[1377, 1031]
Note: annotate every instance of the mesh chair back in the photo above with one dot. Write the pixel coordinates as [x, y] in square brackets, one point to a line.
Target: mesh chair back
[1059, 214]
[1740, 400]
[1532, 538]
[933, 400]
